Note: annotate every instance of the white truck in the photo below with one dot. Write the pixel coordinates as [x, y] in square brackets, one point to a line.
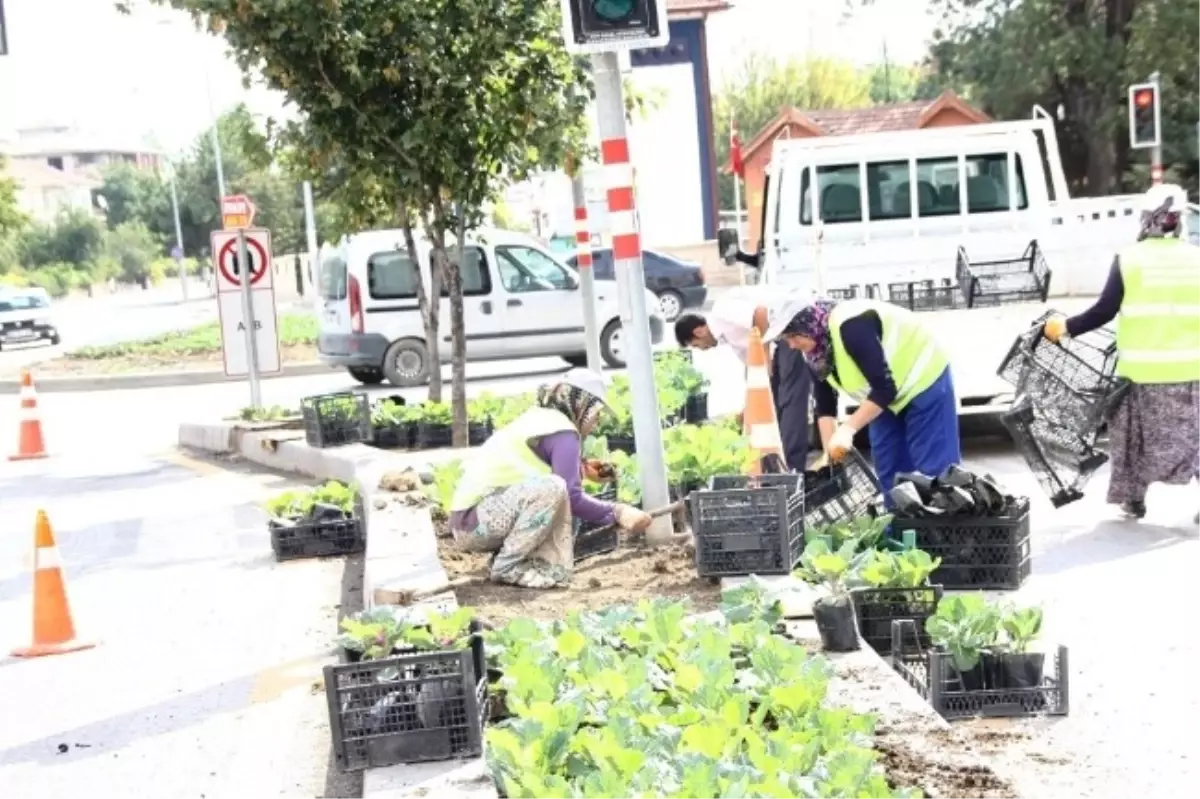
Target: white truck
[893, 209]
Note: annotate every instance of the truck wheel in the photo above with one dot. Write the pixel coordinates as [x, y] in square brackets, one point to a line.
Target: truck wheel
[612, 345]
[406, 363]
[367, 375]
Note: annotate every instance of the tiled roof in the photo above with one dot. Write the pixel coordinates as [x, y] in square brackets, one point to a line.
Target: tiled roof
[897, 116]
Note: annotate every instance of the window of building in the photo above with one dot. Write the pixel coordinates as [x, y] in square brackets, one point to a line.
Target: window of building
[55, 162]
[840, 194]
[889, 190]
[937, 187]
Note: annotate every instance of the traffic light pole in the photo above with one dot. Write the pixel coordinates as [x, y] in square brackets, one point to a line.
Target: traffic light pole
[587, 277]
[631, 287]
[1156, 155]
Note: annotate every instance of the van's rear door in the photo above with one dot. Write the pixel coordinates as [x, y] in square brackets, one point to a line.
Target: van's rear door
[334, 302]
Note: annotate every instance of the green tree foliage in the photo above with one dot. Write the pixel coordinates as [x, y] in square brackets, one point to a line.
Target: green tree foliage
[133, 248]
[12, 220]
[430, 104]
[763, 86]
[902, 83]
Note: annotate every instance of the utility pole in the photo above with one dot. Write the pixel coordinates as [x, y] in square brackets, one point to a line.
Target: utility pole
[179, 260]
[631, 286]
[1156, 154]
[587, 278]
[310, 230]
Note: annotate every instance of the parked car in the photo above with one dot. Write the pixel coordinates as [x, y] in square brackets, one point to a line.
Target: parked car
[25, 317]
[519, 301]
[677, 284]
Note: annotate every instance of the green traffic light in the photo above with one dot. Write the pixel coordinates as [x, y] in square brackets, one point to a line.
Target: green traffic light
[614, 10]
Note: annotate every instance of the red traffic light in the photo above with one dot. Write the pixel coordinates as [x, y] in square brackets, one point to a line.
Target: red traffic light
[1143, 98]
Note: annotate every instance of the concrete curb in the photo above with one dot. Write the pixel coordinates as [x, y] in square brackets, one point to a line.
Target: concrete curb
[149, 379]
[401, 560]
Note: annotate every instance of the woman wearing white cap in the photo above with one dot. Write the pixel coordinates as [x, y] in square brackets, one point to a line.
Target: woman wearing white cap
[521, 491]
[885, 359]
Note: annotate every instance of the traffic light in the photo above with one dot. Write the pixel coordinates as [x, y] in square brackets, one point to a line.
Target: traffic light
[596, 26]
[1144, 116]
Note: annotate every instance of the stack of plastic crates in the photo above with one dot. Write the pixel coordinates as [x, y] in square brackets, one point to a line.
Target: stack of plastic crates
[748, 525]
[1064, 395]
[841, 493]
[991, 283]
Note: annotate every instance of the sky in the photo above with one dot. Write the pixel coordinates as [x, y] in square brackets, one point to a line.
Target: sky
[80, 62]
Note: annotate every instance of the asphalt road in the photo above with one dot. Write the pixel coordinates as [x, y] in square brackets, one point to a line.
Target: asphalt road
[203, 633]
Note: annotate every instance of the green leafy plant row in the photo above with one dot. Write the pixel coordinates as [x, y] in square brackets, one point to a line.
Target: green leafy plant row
[299, 503]
[646, 700]
[500, 410]
[378, 632]
[968, 625]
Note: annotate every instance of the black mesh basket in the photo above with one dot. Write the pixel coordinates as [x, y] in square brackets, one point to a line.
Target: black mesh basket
[317, 538]
[924, 295]
[847, 293]
[842, 492]
[877, 608]
[1072, 384]
[992, 690]
[748, 525]
[589, 542]
[331, 420]
[1062, 461]
[410, 708]
[992, 283]
[990, 552]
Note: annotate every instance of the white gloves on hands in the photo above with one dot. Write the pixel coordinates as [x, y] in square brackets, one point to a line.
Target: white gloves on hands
[841, 442]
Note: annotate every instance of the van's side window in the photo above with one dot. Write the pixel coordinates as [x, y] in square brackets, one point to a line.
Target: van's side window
[937, 187]
[888, 195]
[333, 278]
[476, 279]
[524, 269]
[840, 199]
[391, 276]
[987, 183]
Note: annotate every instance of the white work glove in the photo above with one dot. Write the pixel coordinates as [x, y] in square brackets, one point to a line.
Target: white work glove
[841, 442]
[632, 519]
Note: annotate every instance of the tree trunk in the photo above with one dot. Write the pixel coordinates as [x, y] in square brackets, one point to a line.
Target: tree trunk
[430, 310]
[458, 352]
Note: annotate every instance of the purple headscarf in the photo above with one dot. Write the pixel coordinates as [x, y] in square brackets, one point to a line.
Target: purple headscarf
[812, 321]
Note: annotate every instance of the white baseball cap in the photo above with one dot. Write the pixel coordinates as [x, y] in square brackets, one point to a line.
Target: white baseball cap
[589, 381]
[1155, 196]
[781, 316]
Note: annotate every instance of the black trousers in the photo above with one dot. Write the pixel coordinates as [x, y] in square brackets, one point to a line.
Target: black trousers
[791, 386]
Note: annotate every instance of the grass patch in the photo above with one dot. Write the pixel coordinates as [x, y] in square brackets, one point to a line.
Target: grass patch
[204, 339]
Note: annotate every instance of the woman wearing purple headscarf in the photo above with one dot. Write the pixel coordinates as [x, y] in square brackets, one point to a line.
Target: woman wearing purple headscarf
[883, 358]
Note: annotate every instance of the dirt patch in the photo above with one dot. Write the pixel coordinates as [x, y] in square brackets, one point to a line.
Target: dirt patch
[132, 364]
[908, 768]
[627, 575]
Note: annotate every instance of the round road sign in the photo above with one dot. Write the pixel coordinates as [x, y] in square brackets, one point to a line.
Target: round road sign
[227, 259]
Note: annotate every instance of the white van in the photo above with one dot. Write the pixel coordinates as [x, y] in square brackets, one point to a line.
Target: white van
[519, 301]
[25, 317]
[844, 213]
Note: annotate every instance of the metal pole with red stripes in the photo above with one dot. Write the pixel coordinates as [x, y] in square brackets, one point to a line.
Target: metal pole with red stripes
[587, 278]
[631, 287]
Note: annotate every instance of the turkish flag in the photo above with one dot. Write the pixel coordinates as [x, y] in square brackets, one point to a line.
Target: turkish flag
[735, 152]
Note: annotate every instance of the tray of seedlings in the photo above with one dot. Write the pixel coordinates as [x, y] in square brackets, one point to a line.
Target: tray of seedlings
[332, 420]
[318, 522]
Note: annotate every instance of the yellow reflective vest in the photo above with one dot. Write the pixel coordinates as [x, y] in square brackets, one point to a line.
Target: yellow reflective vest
[1158, 326]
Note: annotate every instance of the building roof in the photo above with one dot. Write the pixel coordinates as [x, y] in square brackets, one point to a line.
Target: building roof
[876, 119]
[65, 139]
[34, 174]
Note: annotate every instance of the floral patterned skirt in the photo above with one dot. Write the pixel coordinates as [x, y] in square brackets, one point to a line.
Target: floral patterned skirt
[1154, 437]
[528, 526]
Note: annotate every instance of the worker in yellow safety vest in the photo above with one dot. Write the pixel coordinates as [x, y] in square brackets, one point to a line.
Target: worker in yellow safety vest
[1153, 291]
[889, 364]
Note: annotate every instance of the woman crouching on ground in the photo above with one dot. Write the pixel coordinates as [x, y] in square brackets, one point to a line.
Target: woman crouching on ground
[522, 490]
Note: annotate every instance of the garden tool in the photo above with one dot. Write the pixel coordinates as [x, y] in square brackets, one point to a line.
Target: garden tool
[603, 540]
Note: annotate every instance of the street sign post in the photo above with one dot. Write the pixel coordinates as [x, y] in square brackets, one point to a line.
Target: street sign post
[237, 212]
[603, 28]
[246, 302]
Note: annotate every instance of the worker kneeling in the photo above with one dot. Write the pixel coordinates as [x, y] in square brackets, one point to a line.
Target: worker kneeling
[885, 359]
[520, 493]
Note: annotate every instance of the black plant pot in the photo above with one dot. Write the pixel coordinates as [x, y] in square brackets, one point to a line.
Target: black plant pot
[1019, 670]
[622, 444]
[432, 436]
[478, 432]
[835, 623]
[695, 410]
[973, 679]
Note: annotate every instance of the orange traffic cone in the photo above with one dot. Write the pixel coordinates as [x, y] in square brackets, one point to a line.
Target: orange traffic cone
[30, 444]
[759, 420]
[53, 629]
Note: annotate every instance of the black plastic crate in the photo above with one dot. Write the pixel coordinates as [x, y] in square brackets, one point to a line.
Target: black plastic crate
[1072, 384]
[748, 525]
[877, 608]
[842, 492]
[990, 552]
[589, 544]
[932, 674]
[319, 538]
[992, 283]
[924, 295]
[399, 436]
[695, 410]
[433, 436]
[847, 293]
[409, 708]
[331, 420]
[479, 432]
[1062, 460]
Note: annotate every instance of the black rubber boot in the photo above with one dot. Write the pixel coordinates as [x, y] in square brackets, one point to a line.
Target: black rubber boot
[1134, 508]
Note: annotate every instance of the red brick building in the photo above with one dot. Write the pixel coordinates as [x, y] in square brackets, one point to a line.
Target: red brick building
[947, 109]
